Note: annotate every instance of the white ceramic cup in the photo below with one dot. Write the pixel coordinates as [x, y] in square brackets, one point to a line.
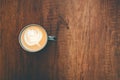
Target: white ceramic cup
[52, 38]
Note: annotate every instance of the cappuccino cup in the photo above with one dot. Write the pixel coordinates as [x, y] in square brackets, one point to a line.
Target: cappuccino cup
[33, 38]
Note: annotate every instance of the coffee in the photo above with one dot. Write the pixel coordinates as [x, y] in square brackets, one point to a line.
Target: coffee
[33, 38]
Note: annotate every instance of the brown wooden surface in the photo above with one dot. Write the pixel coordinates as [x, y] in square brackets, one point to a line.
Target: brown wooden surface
[87, 46]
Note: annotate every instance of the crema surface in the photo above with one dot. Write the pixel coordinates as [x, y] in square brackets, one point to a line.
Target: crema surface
[33, 38]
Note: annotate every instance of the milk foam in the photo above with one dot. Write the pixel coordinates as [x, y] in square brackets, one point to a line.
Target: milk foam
[33, 37]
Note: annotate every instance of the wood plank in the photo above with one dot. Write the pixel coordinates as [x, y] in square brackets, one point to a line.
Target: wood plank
[87, 46]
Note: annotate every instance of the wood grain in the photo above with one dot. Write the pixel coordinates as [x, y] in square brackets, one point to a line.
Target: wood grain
[87, 46]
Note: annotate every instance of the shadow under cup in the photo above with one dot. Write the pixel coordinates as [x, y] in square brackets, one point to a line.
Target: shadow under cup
[33, 38]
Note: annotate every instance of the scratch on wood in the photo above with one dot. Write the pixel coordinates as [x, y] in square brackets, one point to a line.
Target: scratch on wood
[63, 21]
[117, 52]
[117, 43]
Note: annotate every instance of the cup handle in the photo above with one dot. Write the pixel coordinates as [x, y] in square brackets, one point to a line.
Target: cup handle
[51, 38]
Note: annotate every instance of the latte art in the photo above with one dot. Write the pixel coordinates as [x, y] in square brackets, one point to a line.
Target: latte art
[32, 37]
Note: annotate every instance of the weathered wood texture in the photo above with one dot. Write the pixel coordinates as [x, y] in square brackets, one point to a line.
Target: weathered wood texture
[87, 46]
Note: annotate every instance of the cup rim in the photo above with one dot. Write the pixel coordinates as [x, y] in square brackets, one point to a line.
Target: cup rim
[19, 37]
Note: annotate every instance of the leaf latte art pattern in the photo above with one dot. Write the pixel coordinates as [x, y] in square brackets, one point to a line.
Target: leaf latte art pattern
[33, 37]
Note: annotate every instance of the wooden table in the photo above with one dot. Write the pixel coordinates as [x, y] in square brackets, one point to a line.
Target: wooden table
[87, 46]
